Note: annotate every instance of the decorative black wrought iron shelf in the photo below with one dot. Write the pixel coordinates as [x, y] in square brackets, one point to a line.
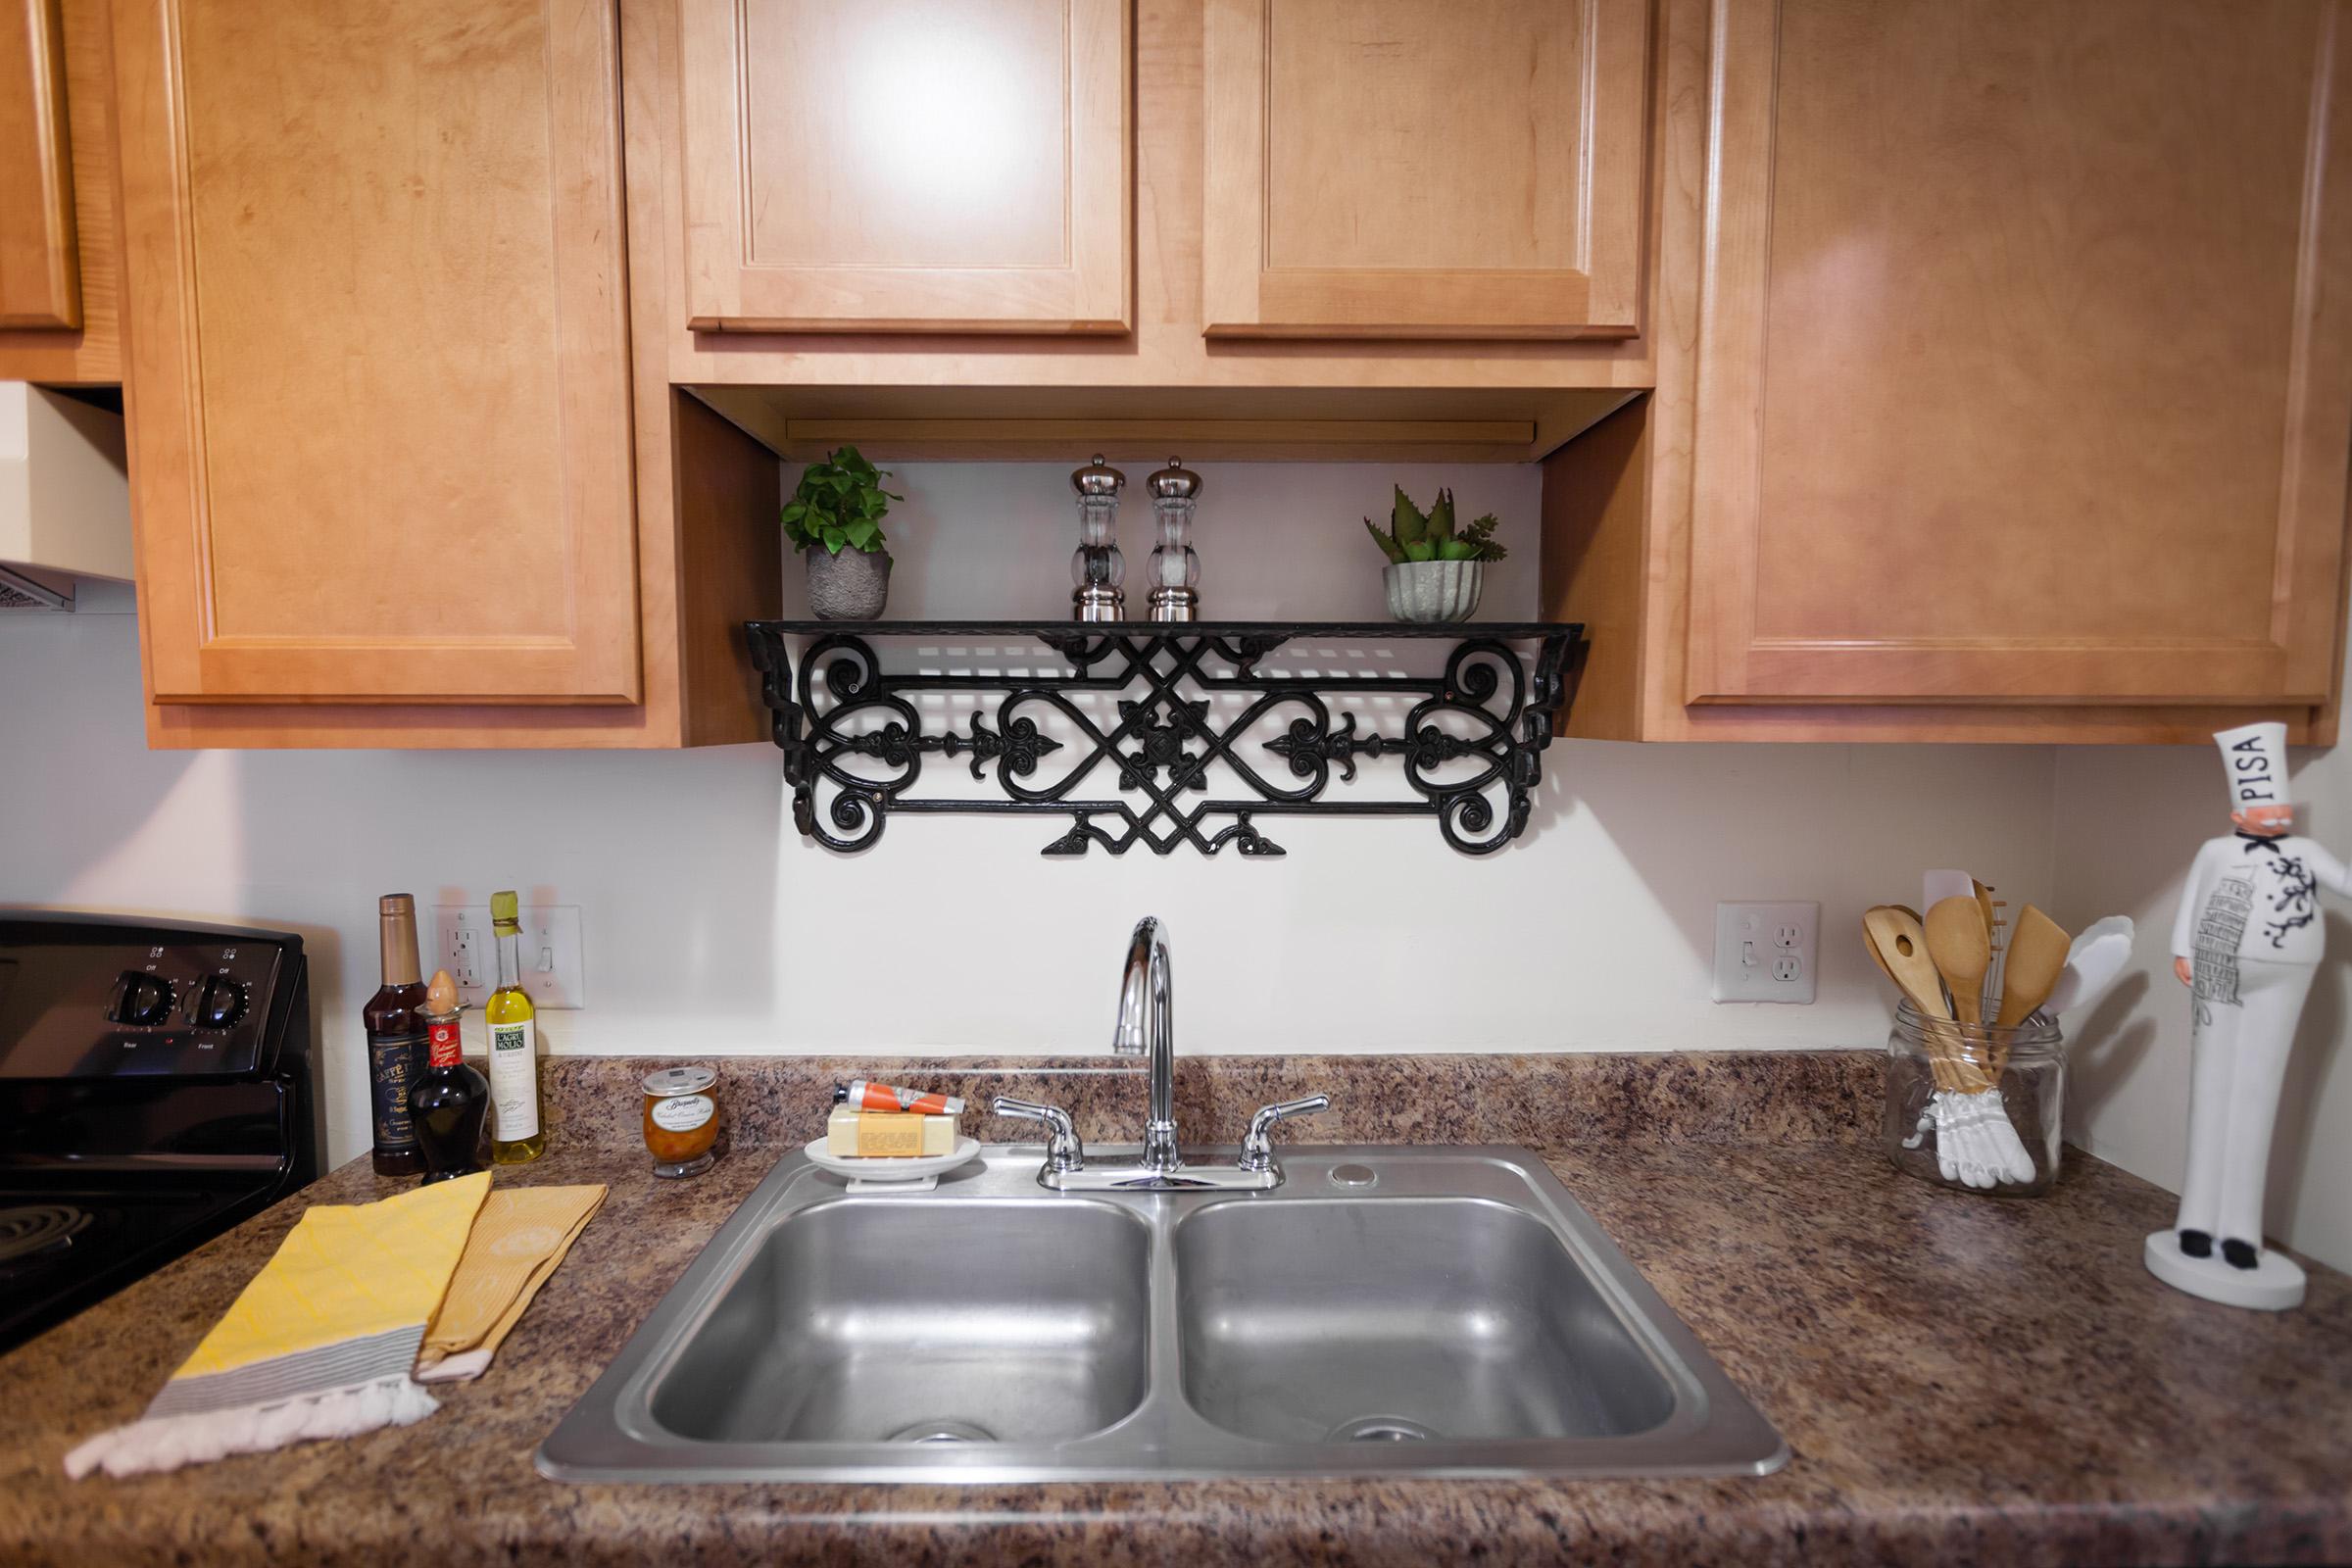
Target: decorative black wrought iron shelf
[1475, 773]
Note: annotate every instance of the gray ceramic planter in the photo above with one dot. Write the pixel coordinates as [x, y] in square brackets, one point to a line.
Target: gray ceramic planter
[1428, 593]
[851, 586]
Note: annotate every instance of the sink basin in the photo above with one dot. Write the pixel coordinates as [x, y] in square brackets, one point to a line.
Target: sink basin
[890, 1322]
[1383, 1312]
[1356, 1320]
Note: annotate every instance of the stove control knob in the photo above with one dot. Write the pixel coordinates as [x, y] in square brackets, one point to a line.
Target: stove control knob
[218, 1003]
[141, 999]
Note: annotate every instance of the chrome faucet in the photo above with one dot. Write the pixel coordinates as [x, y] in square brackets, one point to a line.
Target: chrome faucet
[1146, 1027]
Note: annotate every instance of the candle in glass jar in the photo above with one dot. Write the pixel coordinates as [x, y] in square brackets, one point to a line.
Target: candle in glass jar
[681, 1120]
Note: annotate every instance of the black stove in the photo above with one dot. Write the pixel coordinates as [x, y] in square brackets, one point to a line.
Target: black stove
[157, 1086]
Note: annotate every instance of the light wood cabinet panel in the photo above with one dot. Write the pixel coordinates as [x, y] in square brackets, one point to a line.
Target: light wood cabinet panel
[379, 394]
[712, 559]
[2024, 370]
[903, 166]
[58, 261]
[1440, 168]
[1164, 368]
[40, 277]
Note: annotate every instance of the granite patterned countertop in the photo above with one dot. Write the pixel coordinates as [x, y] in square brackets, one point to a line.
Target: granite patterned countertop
[1960, 1379]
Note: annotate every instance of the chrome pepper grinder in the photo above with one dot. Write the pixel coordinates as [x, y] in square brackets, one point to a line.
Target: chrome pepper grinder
[1174, 569]
[1097, 568]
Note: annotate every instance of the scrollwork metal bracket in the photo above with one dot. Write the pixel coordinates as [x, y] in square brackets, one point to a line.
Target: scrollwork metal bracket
[1470, 746]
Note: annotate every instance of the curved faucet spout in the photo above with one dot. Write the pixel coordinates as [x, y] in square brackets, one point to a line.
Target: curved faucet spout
[1147, 1026]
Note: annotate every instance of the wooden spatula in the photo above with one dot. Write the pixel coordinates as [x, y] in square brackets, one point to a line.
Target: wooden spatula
[2038, 950]
[1961, 948]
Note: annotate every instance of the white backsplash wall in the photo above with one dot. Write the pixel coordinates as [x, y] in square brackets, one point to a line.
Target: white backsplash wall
[710, 928]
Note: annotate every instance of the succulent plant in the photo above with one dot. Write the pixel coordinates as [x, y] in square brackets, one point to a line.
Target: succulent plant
[1416, 535]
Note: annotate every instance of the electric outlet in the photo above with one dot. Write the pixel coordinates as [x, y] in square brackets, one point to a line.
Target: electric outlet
[1766, 952]
[548, 950]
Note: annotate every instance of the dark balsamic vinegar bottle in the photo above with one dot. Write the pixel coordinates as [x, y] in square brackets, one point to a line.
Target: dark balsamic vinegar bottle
[450, 1101]
[395, 1039]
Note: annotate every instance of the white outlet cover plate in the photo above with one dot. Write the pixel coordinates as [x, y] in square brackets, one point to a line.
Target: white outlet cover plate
[1766, 952]
[553, 971]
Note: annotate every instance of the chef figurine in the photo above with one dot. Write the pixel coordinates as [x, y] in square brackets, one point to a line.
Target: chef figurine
[2245, 943]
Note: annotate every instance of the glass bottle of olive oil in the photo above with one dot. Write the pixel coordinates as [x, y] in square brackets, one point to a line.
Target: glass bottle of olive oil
[515, 1133]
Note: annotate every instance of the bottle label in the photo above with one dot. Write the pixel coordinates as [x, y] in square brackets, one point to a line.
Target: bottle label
[513, 1081]
[393, 1064]
[684, 1113]
[444, 1047]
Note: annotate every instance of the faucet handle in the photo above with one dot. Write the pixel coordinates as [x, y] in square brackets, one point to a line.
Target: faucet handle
[1063, 1150]
[1257, 1146]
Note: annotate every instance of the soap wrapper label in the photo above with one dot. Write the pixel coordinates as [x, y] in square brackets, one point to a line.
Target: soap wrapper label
[890, 1134]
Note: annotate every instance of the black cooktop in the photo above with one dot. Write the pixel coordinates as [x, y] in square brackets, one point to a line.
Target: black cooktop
[156, 1087]
[64, 1248]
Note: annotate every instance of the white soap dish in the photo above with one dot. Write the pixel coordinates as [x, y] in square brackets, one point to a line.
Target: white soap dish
[870, 1173]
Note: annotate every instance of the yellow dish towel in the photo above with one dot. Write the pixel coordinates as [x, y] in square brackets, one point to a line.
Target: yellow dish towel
[320, 1344]
[518, 1239]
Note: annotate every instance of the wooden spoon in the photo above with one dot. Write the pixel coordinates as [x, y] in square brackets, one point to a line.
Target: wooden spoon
[1870, 940]
[1899, 943]
[2037, 952]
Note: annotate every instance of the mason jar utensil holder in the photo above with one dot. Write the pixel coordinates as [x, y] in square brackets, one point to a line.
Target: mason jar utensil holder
[1974, 1106]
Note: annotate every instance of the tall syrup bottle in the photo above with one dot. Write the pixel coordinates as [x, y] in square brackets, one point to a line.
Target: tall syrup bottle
[450, 1101]
[395, 1025]
[517, 1135]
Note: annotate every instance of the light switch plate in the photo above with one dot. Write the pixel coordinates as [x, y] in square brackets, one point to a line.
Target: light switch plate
[553, 971]
[1766, 952]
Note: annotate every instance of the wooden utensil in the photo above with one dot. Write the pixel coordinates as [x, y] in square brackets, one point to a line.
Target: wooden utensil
[1961, 948]
[2037, 953]
[1961, 951]
[1993, 934]
[1870, 940]
[1938, 886]
[1899, 943]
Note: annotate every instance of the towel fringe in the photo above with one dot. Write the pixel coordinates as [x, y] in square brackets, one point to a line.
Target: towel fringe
[165, 1443]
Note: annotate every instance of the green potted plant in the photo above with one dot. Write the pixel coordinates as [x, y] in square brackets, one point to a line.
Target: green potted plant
[834, 518]
[1435, 574]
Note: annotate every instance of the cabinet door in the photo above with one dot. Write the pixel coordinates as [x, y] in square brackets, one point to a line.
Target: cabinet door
[379, 395]
[906, 165]
[40, 279]
[2023, 370]
[1424, 168]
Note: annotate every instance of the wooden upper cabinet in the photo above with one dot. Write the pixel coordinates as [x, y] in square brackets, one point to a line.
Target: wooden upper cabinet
[40, 274]
[2025, 355]
[906, 165]
[1424, 168]
[379, 391]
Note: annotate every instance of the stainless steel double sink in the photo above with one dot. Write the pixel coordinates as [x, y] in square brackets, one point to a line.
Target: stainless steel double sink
[1383, 1312]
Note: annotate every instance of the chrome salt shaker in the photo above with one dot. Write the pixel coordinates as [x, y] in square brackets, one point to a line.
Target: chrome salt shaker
[1097, 568]
[1174, 570]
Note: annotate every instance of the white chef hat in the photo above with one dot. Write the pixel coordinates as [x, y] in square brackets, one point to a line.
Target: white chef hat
[2254, 756]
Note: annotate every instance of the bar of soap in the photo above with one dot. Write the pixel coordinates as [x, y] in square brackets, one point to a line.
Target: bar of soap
[867, 1134]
